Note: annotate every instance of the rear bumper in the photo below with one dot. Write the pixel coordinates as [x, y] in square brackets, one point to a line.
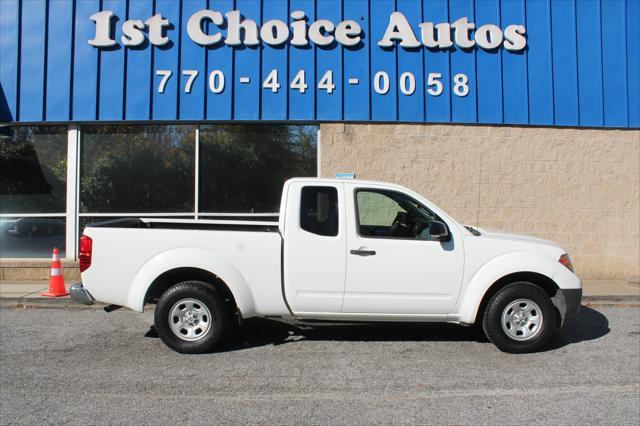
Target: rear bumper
[80, 294]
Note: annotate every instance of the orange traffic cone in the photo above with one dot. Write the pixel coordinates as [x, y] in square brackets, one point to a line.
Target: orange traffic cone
[56, 280]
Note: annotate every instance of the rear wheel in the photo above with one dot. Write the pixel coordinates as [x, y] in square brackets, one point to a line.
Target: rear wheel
[519, 318]
[191, 317]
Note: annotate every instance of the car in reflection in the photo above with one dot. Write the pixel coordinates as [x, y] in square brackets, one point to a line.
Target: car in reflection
[31, 237]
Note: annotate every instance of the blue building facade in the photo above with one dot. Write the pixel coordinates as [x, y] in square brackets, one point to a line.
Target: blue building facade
[562, 62]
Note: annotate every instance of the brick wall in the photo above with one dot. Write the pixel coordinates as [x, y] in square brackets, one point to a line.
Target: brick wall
[579, 187]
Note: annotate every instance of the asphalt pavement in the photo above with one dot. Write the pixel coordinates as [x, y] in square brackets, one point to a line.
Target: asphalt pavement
[90, 367]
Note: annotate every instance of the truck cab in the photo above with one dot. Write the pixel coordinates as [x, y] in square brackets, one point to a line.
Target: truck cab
[367, 250]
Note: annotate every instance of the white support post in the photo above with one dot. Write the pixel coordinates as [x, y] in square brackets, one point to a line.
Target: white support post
[196, 178]
[73, 162]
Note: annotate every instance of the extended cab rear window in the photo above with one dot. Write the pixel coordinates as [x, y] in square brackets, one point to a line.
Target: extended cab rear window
[319, 210]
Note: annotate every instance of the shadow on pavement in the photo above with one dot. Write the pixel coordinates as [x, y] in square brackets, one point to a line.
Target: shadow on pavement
[259, 332]
[588, 324]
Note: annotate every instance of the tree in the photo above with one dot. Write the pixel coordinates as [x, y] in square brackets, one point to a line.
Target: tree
[33, 162]
[133, 168]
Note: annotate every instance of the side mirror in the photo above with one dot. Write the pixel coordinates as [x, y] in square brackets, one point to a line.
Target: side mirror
[438, 231]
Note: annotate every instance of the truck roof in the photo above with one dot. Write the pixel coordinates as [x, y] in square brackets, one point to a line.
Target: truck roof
[344, 180]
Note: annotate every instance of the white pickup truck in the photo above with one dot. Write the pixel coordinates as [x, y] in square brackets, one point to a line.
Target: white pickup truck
[341, 250]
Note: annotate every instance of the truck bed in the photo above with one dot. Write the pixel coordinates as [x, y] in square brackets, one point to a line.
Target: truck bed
[128, 254]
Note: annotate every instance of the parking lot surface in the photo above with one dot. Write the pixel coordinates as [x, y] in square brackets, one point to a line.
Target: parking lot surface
[90, 367]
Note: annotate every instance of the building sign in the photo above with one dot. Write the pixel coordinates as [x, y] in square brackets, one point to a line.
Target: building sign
[496, 62]
[233, 29]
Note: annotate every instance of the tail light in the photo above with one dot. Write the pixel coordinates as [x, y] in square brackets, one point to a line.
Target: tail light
[86, 246]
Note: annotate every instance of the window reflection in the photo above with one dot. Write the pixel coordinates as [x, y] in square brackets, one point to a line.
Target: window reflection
[140, 170]
[137, 168]
[32, 236]
[243, 167]
[33, 180]
[33, 169]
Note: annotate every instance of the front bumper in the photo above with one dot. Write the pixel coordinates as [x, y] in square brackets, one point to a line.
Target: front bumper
[568, 302]
[80, 294]
[572, 300]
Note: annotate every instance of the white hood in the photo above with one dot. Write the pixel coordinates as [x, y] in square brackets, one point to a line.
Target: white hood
[524, 242]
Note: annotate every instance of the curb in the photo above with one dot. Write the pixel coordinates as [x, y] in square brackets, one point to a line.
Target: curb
[631, 298]
[48, 303]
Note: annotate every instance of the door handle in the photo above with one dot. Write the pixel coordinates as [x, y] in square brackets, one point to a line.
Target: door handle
[363, 252]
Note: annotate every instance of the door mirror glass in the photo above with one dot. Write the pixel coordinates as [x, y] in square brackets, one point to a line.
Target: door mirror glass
[438, 231]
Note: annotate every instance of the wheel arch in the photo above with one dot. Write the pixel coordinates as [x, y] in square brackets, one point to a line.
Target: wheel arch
[536, 278]
[171, 267]
[174, 276]
[500, 271]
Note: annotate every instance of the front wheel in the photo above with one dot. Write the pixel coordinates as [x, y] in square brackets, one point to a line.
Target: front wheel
[191, 317]
[519, 318]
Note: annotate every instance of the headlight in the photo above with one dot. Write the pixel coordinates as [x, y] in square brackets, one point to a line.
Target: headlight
[564, 259]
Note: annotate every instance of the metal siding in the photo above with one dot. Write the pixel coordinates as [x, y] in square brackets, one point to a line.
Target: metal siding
[33, 39]
[220, 58]
[633, 62]
[580, 66]
[246, 105]
[59, 44]
[85, 63]
[463, 61]
[514, 68]
[489, 68]
[384, 107]
[589, 63]
[540, 62]
[356, 64]
[192, 58]
[438, 108]
[274, 104]
[565, 76]
[112, 67]
[138, 85]
[302, 105]
[329, 105]
[614, 63]
[9, 52]
[167, 57]
[411, 107]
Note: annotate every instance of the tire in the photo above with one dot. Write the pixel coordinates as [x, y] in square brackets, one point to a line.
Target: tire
[519, 318]
[192, 318]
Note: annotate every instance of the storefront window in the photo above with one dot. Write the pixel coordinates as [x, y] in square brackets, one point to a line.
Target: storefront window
[33, 169]
[137, 169]
[33, 183]
[243, 167]
[32, 236]
[142, 171]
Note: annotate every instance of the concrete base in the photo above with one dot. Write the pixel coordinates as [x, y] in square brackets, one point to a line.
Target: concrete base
[609, 288]
[36, 270]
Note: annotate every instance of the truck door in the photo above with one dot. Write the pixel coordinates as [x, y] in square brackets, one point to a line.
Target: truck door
[314, 247]
[393, 265]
